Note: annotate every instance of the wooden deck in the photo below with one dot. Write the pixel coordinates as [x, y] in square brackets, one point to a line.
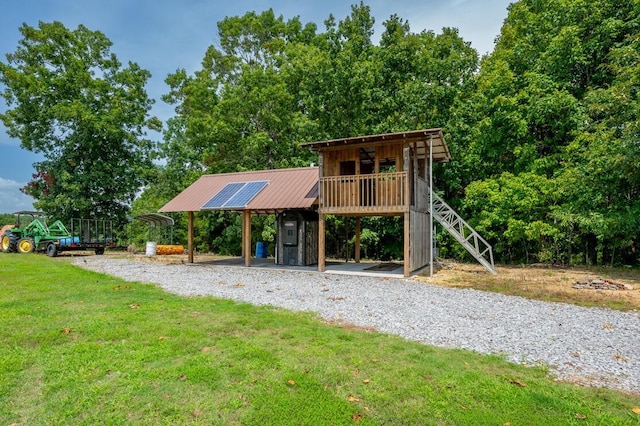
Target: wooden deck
[381, 193]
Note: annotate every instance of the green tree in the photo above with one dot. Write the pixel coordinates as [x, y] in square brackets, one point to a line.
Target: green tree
[555, 103]
[71, 100]
[237, 110]
[272, 84]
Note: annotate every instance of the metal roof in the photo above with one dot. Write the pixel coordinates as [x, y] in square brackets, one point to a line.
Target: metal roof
[287, 189]
[420, 139]
[155, 219]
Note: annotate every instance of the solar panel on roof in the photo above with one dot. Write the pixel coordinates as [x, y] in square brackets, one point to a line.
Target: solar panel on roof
[235, 195]
[246, 194]
[223, 195]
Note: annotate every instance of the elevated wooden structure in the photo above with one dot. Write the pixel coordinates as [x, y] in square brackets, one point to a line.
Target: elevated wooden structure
[377, 175]
[382, 175]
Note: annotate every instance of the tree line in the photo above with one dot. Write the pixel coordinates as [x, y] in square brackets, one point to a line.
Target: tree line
[543, 131]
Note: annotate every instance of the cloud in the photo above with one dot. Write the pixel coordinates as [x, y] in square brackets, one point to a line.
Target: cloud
[11, 199]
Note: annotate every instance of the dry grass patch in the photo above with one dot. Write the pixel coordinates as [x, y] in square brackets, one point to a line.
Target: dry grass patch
[548, 283]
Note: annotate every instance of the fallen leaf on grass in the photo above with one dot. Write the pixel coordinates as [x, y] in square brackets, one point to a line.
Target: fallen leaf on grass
[636, 410]
[134, 306]
[119, 287]
[182, 378]
[366, 381]
[357, 417]
[352, 398]
[291, 382]
[519, 383]
[580, 416]
[66, 330]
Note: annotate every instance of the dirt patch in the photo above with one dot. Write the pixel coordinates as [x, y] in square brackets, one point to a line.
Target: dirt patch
[384, 267]
[548, 283]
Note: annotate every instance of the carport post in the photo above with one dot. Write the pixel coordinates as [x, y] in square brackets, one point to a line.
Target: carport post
[190, 236]
[357, 248]
[321, 243]
[246, 234]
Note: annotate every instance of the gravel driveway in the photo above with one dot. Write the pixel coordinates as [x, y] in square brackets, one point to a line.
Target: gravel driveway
[589, 346]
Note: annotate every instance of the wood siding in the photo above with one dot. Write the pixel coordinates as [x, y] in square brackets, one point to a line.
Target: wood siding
[420, 251]
[421, 199]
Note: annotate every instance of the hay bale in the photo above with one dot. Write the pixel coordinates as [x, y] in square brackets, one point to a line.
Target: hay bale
[166, 249]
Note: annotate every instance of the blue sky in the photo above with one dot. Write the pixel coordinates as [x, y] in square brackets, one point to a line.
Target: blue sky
[165, 35]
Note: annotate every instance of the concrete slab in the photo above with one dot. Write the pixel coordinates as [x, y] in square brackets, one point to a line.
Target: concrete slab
[370, 269]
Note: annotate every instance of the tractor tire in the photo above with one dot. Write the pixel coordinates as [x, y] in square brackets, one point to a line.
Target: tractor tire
[52, 250]
[100, 251]
[26, 245]
[9, 242]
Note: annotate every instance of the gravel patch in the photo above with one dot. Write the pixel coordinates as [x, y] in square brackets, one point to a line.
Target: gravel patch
[587, 346]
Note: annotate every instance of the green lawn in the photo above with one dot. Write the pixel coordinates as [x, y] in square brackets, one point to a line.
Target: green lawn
[78, 347]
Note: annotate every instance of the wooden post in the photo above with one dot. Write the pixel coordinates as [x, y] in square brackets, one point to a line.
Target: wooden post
[321, 200]
[246, 237]
[408, 188]
[346, 239]
[356, 255]
[431, 207]
[321, 260]
[190, 237]
[243, 237]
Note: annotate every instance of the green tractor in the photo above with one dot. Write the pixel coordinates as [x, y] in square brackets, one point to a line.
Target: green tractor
[31, 233]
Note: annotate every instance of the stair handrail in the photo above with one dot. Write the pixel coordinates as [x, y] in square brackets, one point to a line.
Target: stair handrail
[460, 236]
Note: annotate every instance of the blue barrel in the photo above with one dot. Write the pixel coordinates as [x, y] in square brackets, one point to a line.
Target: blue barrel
[261, 249]
[66, 241]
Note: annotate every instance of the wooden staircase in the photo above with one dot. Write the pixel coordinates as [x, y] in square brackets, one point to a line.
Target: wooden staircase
[463, 233]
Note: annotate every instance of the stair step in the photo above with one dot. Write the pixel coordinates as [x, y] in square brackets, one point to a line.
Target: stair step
[463, 233]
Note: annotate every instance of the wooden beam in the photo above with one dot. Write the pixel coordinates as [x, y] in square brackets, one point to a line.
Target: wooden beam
[356, 255]
[243, 237]
[321, 242]
[246, 237]
[190, 237]
[321, 195]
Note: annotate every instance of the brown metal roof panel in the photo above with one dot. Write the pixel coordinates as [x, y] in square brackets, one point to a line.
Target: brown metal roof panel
[194, 196]
[287, 188]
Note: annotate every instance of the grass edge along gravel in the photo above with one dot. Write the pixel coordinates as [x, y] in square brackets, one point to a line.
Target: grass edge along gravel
[79, 347]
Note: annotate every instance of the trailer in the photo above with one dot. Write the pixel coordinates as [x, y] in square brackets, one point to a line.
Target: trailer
[90, 234]
[31, 233]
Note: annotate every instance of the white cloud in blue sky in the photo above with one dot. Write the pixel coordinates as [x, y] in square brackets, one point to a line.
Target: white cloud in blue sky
[165, 35]
[11, 199]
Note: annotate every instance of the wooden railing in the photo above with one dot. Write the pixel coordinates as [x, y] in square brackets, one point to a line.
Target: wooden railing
[372, 193]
